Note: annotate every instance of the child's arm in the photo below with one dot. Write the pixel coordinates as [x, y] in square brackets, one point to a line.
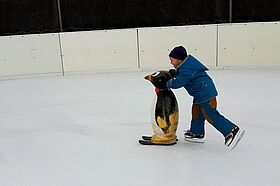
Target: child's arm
[181, 80]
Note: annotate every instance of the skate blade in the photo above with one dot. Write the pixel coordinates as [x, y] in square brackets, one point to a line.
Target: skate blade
[194, 140]
[150, 138]
[148, 142]
[147, 137]
[237, 139]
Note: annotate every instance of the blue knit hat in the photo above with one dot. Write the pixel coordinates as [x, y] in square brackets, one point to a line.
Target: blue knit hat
[178, 52]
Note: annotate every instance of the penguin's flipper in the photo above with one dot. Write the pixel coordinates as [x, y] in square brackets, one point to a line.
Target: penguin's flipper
[149, 142]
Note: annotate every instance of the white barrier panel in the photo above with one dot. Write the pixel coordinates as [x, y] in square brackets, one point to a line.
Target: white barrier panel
[249, 45]
[156, 43]
[99, 50]
[237, 45]
[29, 54]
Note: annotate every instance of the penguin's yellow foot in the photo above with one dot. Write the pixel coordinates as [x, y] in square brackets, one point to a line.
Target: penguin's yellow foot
[159, 139]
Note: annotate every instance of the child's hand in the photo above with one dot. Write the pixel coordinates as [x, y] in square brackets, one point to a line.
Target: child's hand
[173, 72]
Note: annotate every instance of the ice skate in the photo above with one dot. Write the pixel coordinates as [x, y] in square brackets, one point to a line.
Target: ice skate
[234, 137]
[196, 138]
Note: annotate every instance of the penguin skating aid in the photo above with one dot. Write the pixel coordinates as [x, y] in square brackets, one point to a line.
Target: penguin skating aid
[166, 112]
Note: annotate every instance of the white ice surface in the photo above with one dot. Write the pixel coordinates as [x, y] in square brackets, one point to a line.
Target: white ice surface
[84, 130]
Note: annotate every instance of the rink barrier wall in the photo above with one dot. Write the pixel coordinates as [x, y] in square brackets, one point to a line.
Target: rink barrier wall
[30, 54]
[243, 45]
[99, 50]
[249, 45]
[155, 44]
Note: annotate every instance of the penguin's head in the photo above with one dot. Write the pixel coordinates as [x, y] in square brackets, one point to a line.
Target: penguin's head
[159, 78]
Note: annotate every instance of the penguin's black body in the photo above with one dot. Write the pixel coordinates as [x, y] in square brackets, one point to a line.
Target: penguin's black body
[165, 106]
[166, 111]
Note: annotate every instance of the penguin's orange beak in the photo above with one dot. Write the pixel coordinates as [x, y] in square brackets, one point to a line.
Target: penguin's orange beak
[148, 77]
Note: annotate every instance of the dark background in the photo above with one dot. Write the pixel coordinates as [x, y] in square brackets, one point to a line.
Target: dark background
[43, 16]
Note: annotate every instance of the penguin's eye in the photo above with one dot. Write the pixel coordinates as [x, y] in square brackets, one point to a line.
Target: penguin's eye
[155, 74]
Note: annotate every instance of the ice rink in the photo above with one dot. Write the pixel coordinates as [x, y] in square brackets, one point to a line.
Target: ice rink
[83, 130]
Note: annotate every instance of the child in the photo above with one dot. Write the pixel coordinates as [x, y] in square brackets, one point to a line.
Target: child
[191, 74]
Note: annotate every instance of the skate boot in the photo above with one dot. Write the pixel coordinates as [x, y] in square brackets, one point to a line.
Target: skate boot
[196, 138]
[234, 137]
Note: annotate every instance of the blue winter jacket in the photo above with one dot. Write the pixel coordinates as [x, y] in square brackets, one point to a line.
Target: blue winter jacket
[192, 76]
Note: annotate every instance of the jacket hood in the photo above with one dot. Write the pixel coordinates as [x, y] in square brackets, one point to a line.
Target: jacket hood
[192, 63]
